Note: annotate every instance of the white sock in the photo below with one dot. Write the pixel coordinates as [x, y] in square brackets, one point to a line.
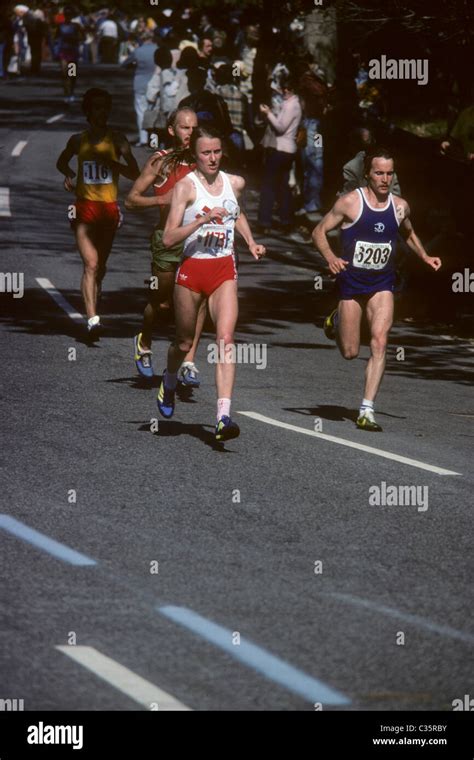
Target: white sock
[170, 380]
[366, 406]
[223, 408]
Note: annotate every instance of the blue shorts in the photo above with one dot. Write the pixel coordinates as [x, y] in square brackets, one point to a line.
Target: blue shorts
[351, 284]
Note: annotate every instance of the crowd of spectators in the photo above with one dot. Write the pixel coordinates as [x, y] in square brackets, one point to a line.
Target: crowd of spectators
[270, 99]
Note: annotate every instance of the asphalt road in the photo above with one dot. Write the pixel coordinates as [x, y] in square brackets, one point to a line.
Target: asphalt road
[257, 576]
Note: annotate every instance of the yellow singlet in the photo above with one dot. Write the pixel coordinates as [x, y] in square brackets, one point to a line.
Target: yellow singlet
[96, 181]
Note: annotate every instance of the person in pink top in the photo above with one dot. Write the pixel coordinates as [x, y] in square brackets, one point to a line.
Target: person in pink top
[279, 142]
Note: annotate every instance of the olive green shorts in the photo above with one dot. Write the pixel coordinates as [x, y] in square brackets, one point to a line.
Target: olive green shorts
[164, 259]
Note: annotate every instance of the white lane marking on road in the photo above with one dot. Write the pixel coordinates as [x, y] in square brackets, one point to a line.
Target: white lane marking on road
[256, 657]
[444, 630]
[49, 545]
[60, 300]
[5, 201]
[123, 679]
[352, 444]
[54, 118]
[19, 147]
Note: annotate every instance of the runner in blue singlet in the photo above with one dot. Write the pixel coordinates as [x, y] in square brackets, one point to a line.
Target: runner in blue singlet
[370, 220]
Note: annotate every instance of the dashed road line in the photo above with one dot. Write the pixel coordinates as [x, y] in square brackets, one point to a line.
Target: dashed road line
[257, 658]
[60, 300]
[17, 150]
[417, 620]
[55, 118]
[137, 688]
[40, 540]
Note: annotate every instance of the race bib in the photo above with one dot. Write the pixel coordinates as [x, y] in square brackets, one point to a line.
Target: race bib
[94, 173]
[216, 239]
[371, 255]
[232, 208]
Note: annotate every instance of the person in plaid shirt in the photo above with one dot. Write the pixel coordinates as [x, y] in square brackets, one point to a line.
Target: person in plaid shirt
[237, 105]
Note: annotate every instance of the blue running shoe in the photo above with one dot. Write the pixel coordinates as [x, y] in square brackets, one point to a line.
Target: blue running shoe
[165, 400]
[226, 429]
[188, 375]
[142, 358]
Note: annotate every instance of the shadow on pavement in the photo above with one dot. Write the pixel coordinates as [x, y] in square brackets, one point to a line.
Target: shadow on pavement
[204, 433]
[334, 413]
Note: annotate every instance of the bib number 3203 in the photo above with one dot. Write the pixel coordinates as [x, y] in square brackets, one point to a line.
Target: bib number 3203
[371, 255]
[96, 174]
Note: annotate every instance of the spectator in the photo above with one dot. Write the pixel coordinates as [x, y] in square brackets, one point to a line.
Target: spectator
[68, 39]
[20, 41]
[353, 171]
[221, 52]
[205, 51]
[247, 54]
[209, 108]
[35, 29]
[461, 139]
[313, 94]
[189, 58]
[205, 27]
[143, 59]
[279, 142]
[237, 105]
[109, 43]
[163, 60]
[174, 80]
[138, 26]
[154, 121]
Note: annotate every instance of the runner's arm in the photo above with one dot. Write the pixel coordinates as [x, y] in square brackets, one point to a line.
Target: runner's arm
[136, 197]
[242, 226]
[130, 169]
[174, 233]
[411, 238]
[62, 164]
[333, 219]
[71, 150]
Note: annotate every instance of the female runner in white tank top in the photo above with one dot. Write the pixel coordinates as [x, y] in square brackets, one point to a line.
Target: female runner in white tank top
[204, 214]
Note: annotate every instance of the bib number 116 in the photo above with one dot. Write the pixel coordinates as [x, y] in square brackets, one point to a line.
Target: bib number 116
[96, 174]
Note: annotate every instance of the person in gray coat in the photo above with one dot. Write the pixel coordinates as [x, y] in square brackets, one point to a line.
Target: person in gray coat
[353, 171]
[143, 58]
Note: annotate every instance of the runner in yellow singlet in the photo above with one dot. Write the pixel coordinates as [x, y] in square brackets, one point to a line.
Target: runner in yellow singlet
[97, 214]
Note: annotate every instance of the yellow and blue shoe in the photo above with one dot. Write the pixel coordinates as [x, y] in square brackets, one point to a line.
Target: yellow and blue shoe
[142, 358]
[330, 325]
[226, 429]
[165, 400]
[366, 421]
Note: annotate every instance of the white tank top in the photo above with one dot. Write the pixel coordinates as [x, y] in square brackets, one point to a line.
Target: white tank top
[216, 239]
